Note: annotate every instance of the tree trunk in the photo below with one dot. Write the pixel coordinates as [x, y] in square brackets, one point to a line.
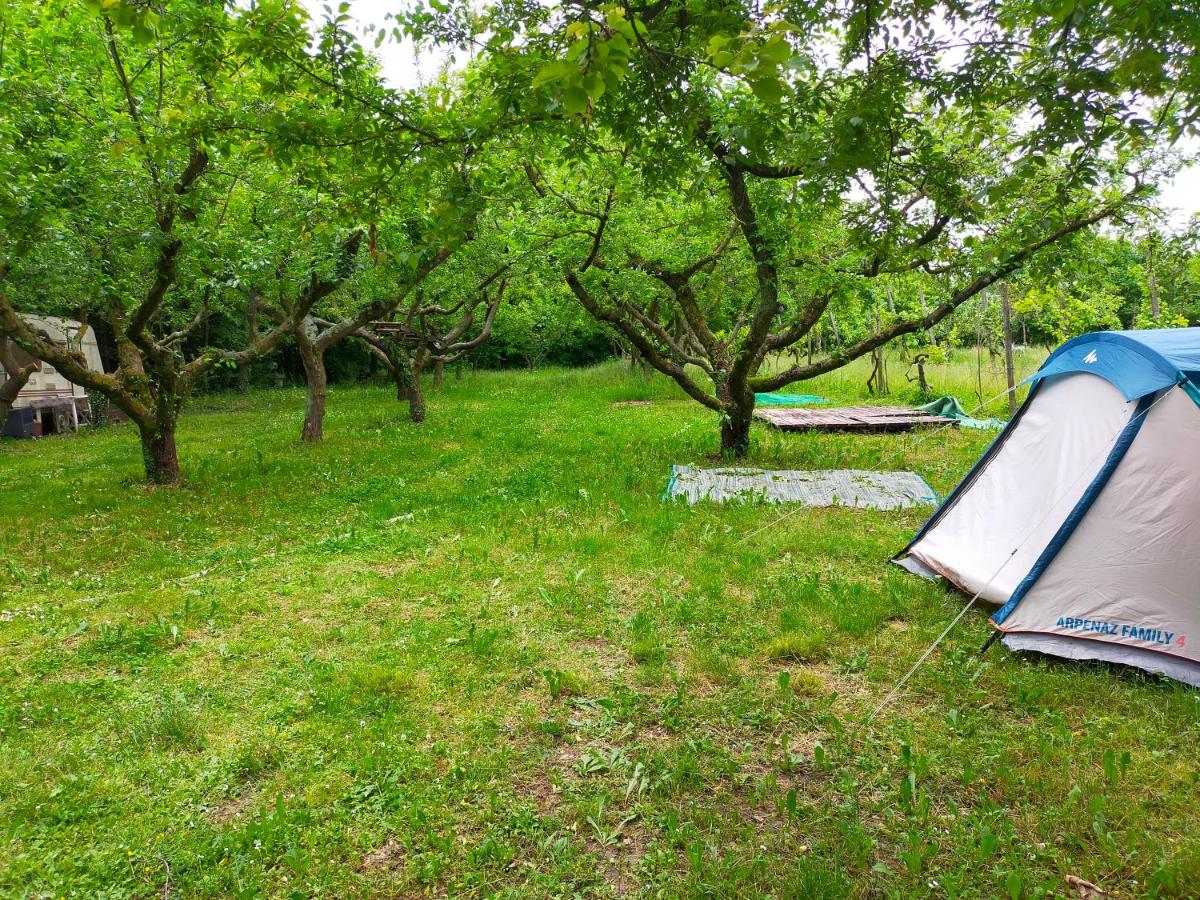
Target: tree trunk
[735, 425]
[877, 382]
[8, 395]
[16, 377]
[313, 358]
[439, 369]
[416, 399]
[245, 369]
[159, 454]
[833, 325]
[1155, 309]
[922, 381]
[924, 312]
[1006, 316]
[735, 434]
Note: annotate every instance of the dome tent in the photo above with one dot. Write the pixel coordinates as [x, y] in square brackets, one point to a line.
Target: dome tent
[1082, 520]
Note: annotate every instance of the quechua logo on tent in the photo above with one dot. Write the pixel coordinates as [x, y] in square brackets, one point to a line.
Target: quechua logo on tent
[1091, 358]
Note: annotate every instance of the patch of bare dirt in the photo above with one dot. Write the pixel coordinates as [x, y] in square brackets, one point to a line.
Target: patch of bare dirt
[653, 734]
[560, 771]
[759, 814]
[594, 644]
[544, 793]
[232, 809]
[88, 675]
[762, 780]
[389, 856]
[601, 654]
[73, 641]
[566, 756]
[634, 403]
[852, 689]
[618, 861]
[630, 592]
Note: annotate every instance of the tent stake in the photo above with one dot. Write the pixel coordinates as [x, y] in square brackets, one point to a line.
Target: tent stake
[988, 643]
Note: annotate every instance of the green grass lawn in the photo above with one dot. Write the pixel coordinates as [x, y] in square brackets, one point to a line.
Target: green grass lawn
[482, 657]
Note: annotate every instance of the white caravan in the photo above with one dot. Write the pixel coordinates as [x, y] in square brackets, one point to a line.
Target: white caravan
[49, 403]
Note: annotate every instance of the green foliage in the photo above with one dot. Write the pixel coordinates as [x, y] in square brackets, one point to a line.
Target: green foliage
[721, 183]
[539, 325]
[203, 183]
[885, 179]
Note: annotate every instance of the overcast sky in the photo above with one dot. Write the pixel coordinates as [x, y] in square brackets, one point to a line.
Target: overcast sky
[403, 66]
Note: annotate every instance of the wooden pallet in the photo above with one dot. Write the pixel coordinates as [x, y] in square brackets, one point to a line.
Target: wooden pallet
[851, 418]
[396, 330]
[406, 334]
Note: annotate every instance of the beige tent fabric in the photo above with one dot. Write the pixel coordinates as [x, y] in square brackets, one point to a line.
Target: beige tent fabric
[992, 535]
[1130, 572]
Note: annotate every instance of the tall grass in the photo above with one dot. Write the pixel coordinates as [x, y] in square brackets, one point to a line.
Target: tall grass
[974, 375]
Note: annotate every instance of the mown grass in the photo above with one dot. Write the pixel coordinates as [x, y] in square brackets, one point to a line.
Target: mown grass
[483, 657]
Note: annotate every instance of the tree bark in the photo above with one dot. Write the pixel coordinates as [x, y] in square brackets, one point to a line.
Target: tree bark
[8, 395]
[924, 312]
[877, 382]
[17, 377]
[416, 398]
[159, 453]
[312, 355]
[735, 434]
[402, 378]
[245, 368]
[313, 431]
[439, 370]
[737, 414]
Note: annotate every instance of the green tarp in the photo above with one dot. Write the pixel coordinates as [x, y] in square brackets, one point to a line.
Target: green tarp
[788, 399]
[952, 409]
